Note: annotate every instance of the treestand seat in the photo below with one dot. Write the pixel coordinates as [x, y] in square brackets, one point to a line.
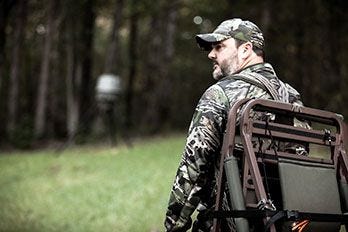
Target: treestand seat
[289, 176]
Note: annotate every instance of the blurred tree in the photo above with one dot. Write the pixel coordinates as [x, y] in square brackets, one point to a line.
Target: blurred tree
[163, 70]
[43, 84]
[338, 56]
[113, 54]
[159, 55]
[16, 68]
[5, 8]
[80, 33]
[133, 57]
[73, 73]
[86, 56]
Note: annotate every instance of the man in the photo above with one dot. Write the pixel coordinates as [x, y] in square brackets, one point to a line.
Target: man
[237, 52]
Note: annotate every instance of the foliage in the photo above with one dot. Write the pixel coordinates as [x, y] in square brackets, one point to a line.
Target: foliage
[89, 188]
[162, 70]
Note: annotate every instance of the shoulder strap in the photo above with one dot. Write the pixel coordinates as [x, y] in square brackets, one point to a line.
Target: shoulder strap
[259, 81]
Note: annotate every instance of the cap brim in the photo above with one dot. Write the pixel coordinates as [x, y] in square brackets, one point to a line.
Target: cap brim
[205, 41]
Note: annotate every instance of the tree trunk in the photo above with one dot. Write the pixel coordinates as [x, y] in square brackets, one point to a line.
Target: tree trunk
[21, 18]
[73, 100]
[42, 97]
[336, 43]
[160, 54]
[5, 8]
[4, 12]
[56, 121]
[86, 90]
[153, 62]
[133, 56]
[73, 80]
[266, 18]
[113, 53]
[164, 89]
[79, 66]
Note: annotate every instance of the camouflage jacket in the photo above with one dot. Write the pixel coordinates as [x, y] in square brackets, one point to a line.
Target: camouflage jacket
[195, 178]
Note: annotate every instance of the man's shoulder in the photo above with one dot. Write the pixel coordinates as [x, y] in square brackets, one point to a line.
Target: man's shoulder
[233, 82]
[225, 85]
[215, 92]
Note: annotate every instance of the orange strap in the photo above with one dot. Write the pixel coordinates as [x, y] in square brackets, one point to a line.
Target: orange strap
[299, 226]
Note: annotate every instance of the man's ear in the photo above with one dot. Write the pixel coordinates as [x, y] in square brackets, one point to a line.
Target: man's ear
[245, 50]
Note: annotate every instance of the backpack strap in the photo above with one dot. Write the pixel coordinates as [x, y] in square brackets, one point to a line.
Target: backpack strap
[259, 81]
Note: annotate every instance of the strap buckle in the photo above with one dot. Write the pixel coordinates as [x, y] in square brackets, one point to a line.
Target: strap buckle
[292, 214]
[264, 204]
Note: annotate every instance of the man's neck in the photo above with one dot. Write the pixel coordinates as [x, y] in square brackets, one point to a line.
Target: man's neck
[251, 60]
[250, 63]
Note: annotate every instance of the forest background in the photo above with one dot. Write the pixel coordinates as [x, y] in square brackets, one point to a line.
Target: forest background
[52, 53]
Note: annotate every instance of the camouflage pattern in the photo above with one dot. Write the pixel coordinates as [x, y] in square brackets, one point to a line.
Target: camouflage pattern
[195, 182]
[233, 28]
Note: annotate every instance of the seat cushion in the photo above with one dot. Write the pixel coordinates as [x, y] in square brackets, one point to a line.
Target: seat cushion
[310, 187]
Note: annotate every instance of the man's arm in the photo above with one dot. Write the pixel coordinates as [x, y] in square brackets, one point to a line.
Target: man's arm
[196, 168]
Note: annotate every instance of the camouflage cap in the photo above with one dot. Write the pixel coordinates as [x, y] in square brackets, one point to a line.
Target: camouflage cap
[233, 28]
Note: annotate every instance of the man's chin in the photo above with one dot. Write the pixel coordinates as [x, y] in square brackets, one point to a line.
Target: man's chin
[217, 75]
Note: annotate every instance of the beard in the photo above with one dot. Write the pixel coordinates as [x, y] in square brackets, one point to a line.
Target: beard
[218, 73]
[227, 67]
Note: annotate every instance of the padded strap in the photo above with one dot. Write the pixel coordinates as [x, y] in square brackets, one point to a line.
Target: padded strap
[279, 94]
[259, 81]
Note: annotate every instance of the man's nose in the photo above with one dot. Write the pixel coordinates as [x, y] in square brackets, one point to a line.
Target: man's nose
[212, 54]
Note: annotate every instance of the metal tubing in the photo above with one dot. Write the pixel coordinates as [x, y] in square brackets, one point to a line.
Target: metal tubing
[236, 193]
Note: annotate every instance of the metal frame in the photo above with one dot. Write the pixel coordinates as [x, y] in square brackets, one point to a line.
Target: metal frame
[250, 128]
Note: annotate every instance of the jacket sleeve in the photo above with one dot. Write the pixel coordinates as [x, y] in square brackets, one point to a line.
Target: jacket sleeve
[197, 164]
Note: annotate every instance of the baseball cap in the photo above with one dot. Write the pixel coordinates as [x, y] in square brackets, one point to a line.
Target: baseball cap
[232, 28]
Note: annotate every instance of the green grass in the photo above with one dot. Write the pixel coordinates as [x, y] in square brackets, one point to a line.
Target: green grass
[89, 188]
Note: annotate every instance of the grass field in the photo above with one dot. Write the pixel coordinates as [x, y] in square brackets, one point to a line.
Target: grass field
[89, 188]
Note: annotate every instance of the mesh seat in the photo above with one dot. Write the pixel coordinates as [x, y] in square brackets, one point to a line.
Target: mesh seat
[312, 188]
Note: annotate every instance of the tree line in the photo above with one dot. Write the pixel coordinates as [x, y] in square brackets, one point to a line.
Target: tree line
[52, 52]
